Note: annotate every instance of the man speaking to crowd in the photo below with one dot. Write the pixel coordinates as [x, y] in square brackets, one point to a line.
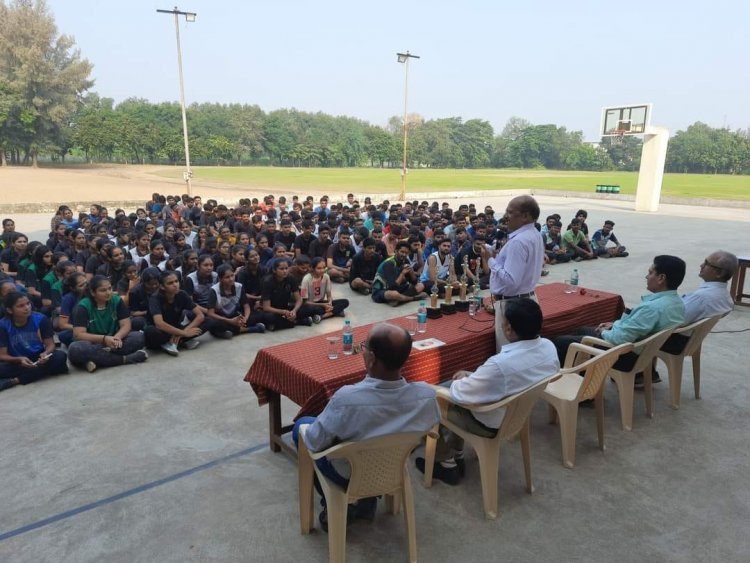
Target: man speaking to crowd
[516, 270]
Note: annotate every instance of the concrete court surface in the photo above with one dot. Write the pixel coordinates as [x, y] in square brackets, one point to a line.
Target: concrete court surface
[168, 461]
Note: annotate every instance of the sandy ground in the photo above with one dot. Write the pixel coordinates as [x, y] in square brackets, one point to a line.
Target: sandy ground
[31, 196]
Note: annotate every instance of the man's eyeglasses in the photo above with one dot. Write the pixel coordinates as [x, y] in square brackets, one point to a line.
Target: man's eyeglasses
[707, 263]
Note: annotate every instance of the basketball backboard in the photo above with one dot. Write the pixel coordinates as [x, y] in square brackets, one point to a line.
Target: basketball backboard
[625, 120]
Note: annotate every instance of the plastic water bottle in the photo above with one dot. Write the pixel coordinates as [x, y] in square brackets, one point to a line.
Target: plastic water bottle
[422, 318]
[574, 277]
[347, 338]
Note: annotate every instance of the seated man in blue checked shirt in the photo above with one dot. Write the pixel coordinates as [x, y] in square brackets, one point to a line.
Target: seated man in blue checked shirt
[382, 403]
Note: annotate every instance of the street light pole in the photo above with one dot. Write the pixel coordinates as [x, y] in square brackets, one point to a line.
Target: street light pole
[189, 17]
[404, 58]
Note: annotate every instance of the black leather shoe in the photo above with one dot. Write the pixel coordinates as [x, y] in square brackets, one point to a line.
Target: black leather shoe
[447, 476]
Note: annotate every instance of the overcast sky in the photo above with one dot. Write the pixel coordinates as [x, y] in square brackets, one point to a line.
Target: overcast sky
[546, 61]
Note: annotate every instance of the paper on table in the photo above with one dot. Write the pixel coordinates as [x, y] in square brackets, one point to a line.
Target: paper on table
[427, 344]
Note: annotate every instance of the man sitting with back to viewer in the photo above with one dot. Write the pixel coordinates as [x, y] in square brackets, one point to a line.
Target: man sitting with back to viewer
[382, 403]
[662, 309]
[521, 363]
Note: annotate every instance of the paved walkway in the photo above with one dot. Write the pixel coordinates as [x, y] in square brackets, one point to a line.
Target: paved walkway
[168, 461]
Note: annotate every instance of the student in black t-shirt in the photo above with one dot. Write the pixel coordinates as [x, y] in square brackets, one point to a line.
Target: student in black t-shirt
[364, 267]
[281, 297]
[286, 236]
[304, 240]
[166, 312]
[229, 309]
[319, 247]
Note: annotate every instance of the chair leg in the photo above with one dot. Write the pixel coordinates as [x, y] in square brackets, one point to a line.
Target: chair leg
[648, 390]
[697, 373]
[393, 503]
[599, 405]
[429, 456]
[489, 462]
[526, 453]
[625, 383]
[674, 369]
[568, 414]
[336, 529]
[553, 419]
[306, 494]
[411, 526]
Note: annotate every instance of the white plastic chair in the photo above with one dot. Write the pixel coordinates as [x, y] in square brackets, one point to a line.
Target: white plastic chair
[625, 381]
[378, 468]
[515, 423]
[565, 394]
[674, 362]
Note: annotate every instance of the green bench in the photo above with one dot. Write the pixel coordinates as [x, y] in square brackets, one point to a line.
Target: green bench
[607, 189]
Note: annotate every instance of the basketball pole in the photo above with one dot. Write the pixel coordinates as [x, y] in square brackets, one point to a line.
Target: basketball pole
[651, 171]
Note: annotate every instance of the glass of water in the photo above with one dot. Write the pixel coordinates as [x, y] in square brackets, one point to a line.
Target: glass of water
[411, 325]
[333, 347]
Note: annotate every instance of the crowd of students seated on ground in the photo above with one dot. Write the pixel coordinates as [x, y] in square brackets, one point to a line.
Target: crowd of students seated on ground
[109, 287]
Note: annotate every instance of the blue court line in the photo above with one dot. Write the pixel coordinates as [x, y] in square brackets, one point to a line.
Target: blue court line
[126, 494]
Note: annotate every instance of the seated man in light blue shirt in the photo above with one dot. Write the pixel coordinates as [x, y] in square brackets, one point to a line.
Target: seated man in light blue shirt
[524, 361]
[662, 309]
[382, 403]
[712, 297]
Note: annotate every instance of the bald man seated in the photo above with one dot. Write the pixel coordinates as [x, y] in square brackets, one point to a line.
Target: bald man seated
[712, 297]
[382, 403]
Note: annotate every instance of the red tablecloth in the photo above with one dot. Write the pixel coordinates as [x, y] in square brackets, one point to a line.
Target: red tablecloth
[302, 371]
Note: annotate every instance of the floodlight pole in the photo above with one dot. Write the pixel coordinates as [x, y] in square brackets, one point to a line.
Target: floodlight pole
[404, 58]
[189, 17]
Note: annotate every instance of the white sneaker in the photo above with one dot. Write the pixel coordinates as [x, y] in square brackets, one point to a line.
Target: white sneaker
[170, 348]
[192, 344]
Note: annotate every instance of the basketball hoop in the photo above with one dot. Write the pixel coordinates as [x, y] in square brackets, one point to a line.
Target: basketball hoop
[618, 137]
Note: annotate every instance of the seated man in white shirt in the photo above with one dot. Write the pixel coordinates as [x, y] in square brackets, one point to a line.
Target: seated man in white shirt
[382, 403]
[520, 364]
[712, 297]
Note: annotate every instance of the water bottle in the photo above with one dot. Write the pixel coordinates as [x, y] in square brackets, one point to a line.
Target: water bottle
[347, 338]
[422, 318]
[574, 277]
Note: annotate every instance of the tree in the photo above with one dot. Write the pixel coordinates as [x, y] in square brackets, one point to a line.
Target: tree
[43, 74]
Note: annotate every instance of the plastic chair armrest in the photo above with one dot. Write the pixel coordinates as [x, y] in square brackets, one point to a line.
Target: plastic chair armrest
[594, 341]
[575, 349]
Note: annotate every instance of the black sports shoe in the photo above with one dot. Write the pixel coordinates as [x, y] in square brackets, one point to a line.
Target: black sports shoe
[366, 508]
[447, 476]
[351, 512]
[655, 378]
[461, 465]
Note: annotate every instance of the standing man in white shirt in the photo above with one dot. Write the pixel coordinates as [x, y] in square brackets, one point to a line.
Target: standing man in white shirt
[515, 271]
[525, 360]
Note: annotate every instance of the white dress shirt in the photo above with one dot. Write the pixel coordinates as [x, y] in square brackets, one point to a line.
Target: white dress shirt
[517, 366]
[518, 267]
[709, 300]
[371, 408]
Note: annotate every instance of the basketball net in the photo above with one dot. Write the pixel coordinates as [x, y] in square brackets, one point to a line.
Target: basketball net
[618, 138]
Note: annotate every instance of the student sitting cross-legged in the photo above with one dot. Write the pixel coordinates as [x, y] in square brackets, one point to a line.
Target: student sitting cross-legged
[229, 309]
[27, 347]
[103, 336]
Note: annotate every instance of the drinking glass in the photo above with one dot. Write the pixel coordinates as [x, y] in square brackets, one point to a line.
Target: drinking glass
[333, 347]
[411, 325]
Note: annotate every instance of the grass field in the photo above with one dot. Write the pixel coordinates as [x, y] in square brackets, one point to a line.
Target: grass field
[375, 180]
